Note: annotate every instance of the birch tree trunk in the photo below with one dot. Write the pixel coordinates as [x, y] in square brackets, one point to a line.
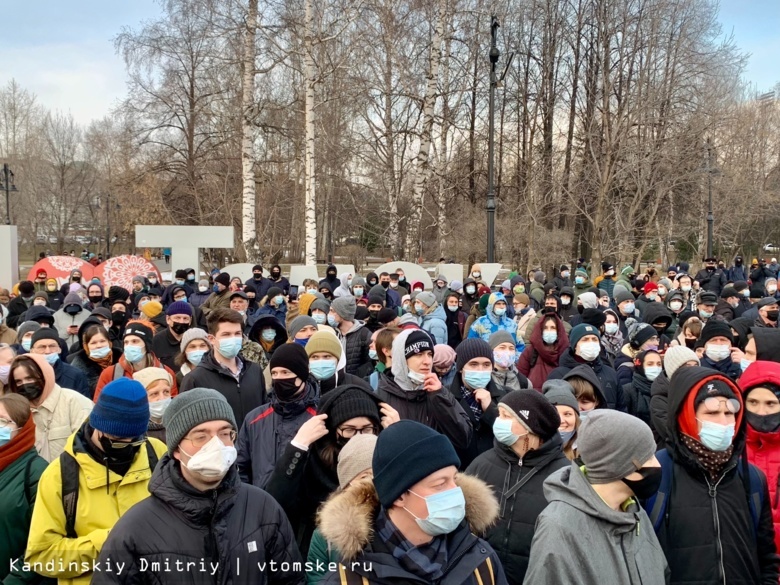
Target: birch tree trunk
[422, 166]
[249, 203]
[310, 221]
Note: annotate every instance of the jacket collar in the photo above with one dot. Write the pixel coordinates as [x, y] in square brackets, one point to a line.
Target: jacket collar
[347, 518]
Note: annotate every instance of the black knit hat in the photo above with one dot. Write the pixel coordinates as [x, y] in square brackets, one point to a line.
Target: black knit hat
[418, 341]
[386, 316]
[639, 333]
[407, 452]
[468, 349]
[142, 331]
[117, 294]
[534, 411]
[273, 291]
[44, 333]
[729, 292]
[713, 388]
[293, 357]
[222, 278]
[26, 288]
[595, 317]
[349, 402]
[716, 329]
[757, 291]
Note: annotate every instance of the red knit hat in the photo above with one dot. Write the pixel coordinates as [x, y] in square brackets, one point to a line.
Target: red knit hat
[650, 287]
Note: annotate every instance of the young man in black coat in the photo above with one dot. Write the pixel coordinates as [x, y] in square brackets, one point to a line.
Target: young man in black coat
[200, 509]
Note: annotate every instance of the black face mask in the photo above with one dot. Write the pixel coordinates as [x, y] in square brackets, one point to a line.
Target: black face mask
[72, 309]
[647, 486]
[690, 343]
[331, 274]
[31, 391]
[373, 313]
[772, 316]
[180, 328]
[257, 276]
[95, 299]
[764, 423]
[738, 262]
[385, 284]
[710, 269]
[118, 318]
[286, 388]
[76, 279]
[580, 309]
[118, 457]
[275, 275]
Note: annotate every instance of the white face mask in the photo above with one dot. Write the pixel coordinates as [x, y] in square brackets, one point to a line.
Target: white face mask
[156, 409]
[589, 351]
[416, 378]
[717, 353]
[212, 461]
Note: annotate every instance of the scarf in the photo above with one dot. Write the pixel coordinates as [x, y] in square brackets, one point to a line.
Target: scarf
[712, 461]
[19, 445]
[612, 343]
[473, 403]
[426, 561]
[104, 362]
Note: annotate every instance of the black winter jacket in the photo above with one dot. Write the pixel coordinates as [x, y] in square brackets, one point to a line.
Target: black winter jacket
[707, 533]
[356, 346]
[16, 308]
[438, 410]
[712, 281]
[236, 525]
[243, 395]
[267, 431]
[613, 392]
[68, 376]
[637, 397]
[501, 469]
[482, 438]
[659, 408]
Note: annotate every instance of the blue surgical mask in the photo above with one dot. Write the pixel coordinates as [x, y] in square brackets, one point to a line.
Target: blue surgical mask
[52, 358]
[319, 318]
[714, 436]
[332, 321]
[611, 328]
[268, 334]
[579, 280]
[652, 372]
[566, 435]
[134, 353]
[230, 347]
[452, 308]
[179, 281]
[629, 308]
[549, 336]
[477, 379]
[195, 356]
[499, 311]
[705, 314]
[502, 431]
[744, 364]
[301, 342]
[311, 291]
[419, 309]
[322, 369]
[446, 510]
[279, 300]
[27, 344]
[5, 435]
[357, 291]
[373, 355]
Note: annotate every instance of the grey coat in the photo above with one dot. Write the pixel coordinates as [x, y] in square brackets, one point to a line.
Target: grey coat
[579, 540]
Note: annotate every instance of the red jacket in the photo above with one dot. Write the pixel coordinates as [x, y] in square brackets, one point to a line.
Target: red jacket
[108, 375]
[538, 360]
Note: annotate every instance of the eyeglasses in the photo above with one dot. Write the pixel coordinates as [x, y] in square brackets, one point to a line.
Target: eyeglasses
[4, 422]
[137, 442]
[713, 404]
[349, 432]
[200, 439]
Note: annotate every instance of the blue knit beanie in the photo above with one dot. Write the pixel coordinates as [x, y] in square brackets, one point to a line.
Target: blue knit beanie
[407, 452]
[179, 308]
[122, 409]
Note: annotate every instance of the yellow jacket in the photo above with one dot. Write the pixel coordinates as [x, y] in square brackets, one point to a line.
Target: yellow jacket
[70, 559]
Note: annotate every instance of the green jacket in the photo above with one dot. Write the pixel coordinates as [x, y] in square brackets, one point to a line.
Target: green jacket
[322, 554]
[18, 487]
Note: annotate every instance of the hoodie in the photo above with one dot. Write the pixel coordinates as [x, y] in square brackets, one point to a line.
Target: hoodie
[435, 324]
[767, 344]
[486, 326]
[707, 532]
[468, 300]
[71, 313]
[343, 290]
[579, 539]
[438, 410]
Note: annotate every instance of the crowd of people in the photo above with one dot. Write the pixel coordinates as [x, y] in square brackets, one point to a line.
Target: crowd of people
[591, 426]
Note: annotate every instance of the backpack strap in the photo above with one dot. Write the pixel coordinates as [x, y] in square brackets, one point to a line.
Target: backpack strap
[349, 577]
[656, 505]
[27, 474]
[484, 573]
[69, 470]
[151, 454]
[119, 371]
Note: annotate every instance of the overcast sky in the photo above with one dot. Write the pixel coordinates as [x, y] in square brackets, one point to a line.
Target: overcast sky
[62, 51]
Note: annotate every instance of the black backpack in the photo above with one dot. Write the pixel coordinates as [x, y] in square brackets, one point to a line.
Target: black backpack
[69, 470]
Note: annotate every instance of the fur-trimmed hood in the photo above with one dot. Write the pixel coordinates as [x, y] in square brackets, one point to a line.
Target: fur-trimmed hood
[346, 520]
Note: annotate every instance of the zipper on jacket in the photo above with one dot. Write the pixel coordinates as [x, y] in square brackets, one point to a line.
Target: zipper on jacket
[713, 492]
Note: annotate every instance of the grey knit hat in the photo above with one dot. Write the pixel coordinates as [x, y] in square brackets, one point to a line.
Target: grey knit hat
[190, 335]
[500, 337]
[25, 328]
[355, 458]
[345, 307]
[621, 295]
[613, 445]
[299, 323]
[676, 356]
[192, 408]
[321, 304]
[560, 392]
[426, 298]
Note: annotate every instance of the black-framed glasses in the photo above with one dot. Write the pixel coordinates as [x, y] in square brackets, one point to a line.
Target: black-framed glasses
[349, 432]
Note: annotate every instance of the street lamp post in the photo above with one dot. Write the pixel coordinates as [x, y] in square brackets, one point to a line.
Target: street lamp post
[491, 193]
[8, 187]
[710, 215]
